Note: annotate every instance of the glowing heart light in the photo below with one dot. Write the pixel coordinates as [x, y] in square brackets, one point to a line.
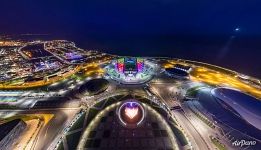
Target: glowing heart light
[131, 112]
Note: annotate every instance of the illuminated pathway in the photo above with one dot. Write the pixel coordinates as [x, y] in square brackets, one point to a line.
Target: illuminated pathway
[167, 100]
[203, 72]
[95, 123]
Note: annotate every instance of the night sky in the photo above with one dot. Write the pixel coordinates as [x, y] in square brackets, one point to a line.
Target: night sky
[222, 32]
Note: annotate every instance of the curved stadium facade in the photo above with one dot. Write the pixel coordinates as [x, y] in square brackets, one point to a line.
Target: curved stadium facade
[244, 106]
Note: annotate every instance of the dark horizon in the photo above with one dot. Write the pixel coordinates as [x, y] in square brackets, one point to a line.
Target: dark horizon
[207, 49]
[224, 33]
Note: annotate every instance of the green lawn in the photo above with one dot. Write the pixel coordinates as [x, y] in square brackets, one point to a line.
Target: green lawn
[216, 142]
[79, 123]
[73, 140]
[192, 92]
[180, 136]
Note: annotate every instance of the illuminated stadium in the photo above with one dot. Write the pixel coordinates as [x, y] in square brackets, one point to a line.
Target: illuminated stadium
[130, 70]
[130, 75]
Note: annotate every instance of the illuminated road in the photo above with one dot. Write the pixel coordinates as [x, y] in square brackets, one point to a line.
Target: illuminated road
[53, 128]
[168, 92]
[197, 141]
[192, 126]
[39, 83]
[215, 75]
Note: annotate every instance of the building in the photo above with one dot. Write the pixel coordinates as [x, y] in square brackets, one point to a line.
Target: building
[240, 104]
[10, 131]
[177, 73]
[130, 70]
[130, 65]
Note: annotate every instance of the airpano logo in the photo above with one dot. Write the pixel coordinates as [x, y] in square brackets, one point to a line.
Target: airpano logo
[242, 143]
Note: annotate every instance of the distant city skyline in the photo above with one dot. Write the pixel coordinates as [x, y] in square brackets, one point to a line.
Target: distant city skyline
[208, 31]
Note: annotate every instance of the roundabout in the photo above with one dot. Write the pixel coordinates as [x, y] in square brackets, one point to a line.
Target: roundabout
[131, 113]
[117, 102]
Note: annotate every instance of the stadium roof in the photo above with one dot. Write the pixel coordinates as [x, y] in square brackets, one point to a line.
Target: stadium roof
[5, 128]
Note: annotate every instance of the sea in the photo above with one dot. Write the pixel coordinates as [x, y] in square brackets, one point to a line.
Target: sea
[242, 54]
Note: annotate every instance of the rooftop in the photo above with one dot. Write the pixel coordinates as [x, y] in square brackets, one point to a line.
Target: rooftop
[5, 128]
